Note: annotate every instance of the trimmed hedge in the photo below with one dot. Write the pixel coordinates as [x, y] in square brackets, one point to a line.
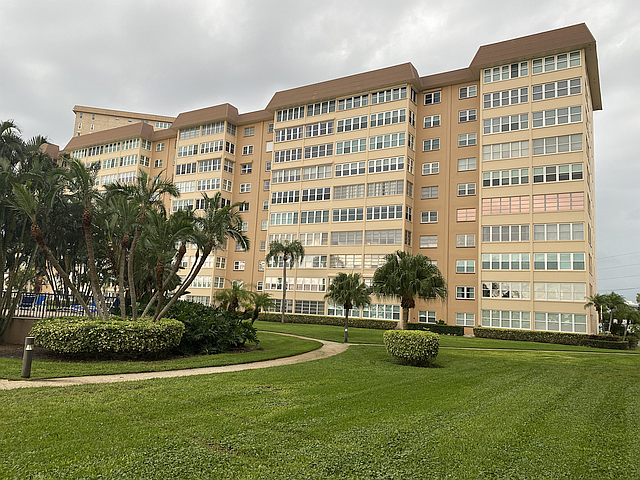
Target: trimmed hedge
[322, 320]
[412, 347]
[107, 339]
[559, 338]
[438, 328]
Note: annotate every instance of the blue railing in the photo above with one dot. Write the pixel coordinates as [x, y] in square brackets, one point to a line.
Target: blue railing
[41, 305]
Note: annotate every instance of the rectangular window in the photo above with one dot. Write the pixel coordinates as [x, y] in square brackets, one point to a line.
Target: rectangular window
[466, 215]
[311, 284]
[506, 97]
[221, 262]
[429, 216]
[493, 206]
[351, 124]
[213, 128]
[249, 131]
[391, 140]
[506, 261]
[319, 129]
[467, 115]
[230, 147]
[466, 240]
[426, 316]
[245, 187]
[345, 261]
[382, 312]
[209, 165]
[346, 238]
[389, 95]
[465, 319]
[431, 121]
[466, 189]
[505, 290]
[503, 151]
[505, 233]
[321, 108]
[562, 144]
[432, 98]
[288, 134]
[201, 282]
[466, 140]
[431, 145]
[506, 319]
[556, 116]
[157, 163]
[347, 214]
[290, 196]
[211, 147]
[290, 155]
[432, 168]
[316, 173]
[561, 88]
[348, 191]
[189, 133]
[186, 168]
[246, 168]
[285, 176]
[558, 202]
[187, 150]
[380, 189]
[558, 173]
[510, 123]
[429, 192]
[384, 212]
[316, 194]
[247, 150]
[290, 114]
[558, 231]
[558, 261]
[314, 216]
[468, 92]
[560, 292]
[128, 160]
[317, 151]
[517, 176]
[560, 322]
[388, 118]
[506, 72]
[351, 146]
[556, 62]
[284, 218]
[466, 164]
[227, 185]
[391, 164]
[428, 241]
[465, 293]
[353, 102]
[383, 237]
[182, 205]
[185, 187]
[350, 169]
[309, 307]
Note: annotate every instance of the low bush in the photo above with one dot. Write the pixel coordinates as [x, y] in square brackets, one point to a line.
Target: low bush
[113, 338]
[322, 320]
[210, 330]
[412, 347]
[438, 328]
[559, 338]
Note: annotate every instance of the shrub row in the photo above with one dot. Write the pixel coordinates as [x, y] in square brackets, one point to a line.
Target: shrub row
[560, 338]
[412, 347]
[107, 339]
[322, 320]
[210, 330]
[438, 328]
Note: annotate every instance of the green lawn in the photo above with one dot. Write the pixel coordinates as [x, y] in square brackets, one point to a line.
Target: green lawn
[270, 346]
[365, 335]
[482, 414]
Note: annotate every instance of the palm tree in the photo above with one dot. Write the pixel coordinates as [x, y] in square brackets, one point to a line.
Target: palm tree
[217, 224]
[597, 301]
[290, 252]
[159, 239]
[258, 301]
[404, 276]
[230, 298]
[82, 182]
[348, 291]
[613, 301]
[147, 193]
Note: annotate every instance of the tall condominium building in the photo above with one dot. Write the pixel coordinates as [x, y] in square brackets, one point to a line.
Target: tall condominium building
[487, 170]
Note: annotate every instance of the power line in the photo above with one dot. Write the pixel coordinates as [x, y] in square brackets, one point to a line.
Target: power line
[637, 289]
[621, 255]
[615, 278]
[620, 266]
[616, 238]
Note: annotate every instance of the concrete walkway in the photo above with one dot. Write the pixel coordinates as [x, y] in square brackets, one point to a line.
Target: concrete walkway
[328, 349]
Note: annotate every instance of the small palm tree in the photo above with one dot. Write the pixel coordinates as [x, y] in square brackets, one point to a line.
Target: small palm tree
[258, 301]
[290, 252]
[613, 301]
[348, 291]
[597, 301]
[405, 276]
[231, 298]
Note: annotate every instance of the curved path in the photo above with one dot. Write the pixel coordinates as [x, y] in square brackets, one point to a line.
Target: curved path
[328, 349]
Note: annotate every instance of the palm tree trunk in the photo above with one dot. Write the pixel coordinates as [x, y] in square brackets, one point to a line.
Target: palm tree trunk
[132, 284]
[405, 319]
[36, 233]
[98, 297]
[346, 325]
[159, 282]
[183, 288]
[284, 287]
[165, 285]
[610, 319]
[121, 293]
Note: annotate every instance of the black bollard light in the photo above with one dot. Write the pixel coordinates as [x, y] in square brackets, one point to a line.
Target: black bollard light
[27, 357]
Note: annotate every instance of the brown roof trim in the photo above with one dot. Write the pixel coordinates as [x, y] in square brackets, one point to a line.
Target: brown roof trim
[258, 116]
[50, 149]
[226, 111]
[354, 84]
[448, 78]
[121, 113]
[120, 133]
[164, 133]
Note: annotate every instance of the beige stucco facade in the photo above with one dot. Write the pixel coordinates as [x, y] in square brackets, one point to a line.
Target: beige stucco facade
[427, 160]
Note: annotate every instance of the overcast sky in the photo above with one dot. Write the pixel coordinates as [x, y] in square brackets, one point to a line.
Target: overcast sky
[166, 57]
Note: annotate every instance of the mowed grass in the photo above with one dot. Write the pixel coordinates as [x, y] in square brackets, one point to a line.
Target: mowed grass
[365, 335]
[271, 346]
[481, 414]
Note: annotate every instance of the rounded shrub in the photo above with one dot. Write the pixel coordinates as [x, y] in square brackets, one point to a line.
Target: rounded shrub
[107, 338]
[412, 347]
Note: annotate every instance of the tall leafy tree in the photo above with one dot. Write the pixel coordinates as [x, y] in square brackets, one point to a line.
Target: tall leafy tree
[349, 291]
[147, 193]
[613, 301]
[217, 225]
[405, 276]
[290, 251]
[598, 302]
